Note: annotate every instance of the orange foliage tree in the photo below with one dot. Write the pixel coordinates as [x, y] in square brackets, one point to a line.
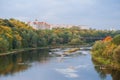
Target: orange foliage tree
[107, 39]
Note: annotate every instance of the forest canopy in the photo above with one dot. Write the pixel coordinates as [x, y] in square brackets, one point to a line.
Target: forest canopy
[15, 34]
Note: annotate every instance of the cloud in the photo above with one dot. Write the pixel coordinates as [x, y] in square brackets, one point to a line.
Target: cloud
[88, 12]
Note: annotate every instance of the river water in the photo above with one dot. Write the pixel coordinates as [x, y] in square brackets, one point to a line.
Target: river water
[48, 64]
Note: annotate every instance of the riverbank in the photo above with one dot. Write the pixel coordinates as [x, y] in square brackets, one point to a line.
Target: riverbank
[16, 51]
[109, 64]
[107, 52]
[21, 50]
[48, 47]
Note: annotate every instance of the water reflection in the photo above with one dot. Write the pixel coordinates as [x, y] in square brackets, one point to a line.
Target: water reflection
[104, 70]
[13, 63]
[45, 65]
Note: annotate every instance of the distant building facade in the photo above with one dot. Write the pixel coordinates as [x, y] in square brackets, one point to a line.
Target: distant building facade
[39, 25]
[44, 25]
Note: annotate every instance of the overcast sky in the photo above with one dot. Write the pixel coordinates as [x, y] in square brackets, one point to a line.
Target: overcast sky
[93, 13]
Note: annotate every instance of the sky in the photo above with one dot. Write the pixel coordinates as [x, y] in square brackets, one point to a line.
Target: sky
[99, 14]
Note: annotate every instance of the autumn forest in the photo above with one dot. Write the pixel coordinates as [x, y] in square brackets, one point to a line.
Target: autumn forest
[15, 34]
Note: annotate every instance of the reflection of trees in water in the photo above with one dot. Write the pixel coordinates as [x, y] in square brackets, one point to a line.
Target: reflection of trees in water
[13, 63]
[115, 74]
[101, 73]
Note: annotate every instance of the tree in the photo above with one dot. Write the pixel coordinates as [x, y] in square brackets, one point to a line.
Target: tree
[98, 48]
[116, 40]
[116, 54]
[16, 41]
[76, 41]
[4, 44]
[107, 39]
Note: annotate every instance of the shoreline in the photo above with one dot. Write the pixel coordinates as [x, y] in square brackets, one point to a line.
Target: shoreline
[47, 47]
[17, 50]
[106, 62]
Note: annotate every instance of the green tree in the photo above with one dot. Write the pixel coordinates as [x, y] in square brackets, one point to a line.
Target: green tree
[76, 41]
[116, 40]
[4, 44]
[116, 54]
[98, 48]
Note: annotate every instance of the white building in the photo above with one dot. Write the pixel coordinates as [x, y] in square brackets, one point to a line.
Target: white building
[39, 25]
[43, 25]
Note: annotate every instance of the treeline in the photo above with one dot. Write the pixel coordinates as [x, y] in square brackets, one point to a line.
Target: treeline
[15, 34]
[107, 51]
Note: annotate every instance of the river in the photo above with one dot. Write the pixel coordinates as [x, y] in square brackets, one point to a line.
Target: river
[48, 64]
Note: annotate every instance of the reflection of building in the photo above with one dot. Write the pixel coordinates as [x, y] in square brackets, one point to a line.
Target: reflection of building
[43, 25]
